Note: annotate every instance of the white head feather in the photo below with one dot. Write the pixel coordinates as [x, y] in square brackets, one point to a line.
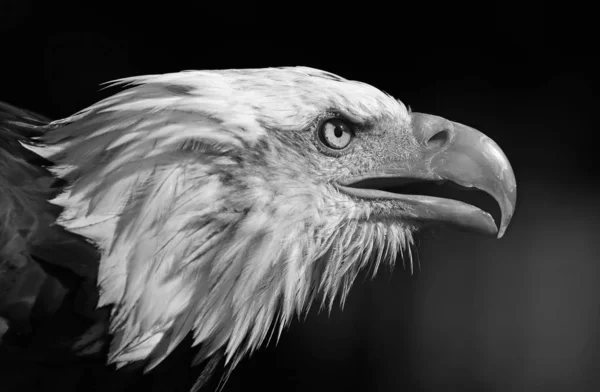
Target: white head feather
[211, 212]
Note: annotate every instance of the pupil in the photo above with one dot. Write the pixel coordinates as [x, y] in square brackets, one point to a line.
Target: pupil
[338, 132]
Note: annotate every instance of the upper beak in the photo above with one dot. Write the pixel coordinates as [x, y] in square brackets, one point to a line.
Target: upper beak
[450, 152]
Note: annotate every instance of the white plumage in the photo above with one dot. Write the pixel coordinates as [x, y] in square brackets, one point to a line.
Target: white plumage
[213, 208]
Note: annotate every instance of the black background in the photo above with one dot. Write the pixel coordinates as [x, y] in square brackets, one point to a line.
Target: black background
[519, 314]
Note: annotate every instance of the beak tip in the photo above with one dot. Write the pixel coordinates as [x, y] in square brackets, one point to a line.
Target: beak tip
[507, 214]
[501, 232]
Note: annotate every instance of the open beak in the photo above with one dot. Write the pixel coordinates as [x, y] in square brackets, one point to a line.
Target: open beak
[450, 152]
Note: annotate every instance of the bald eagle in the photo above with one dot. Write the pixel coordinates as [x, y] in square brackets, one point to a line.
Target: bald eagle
[221, 204]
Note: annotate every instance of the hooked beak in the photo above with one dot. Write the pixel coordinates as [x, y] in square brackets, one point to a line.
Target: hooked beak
[450, 152]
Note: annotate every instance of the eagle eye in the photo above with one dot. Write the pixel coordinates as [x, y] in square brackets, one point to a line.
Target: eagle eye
[335, 134]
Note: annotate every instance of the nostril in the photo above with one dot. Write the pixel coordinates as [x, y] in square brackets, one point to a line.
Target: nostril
[438, 140]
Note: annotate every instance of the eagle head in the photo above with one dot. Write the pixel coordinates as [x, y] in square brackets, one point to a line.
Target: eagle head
[224, 202]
